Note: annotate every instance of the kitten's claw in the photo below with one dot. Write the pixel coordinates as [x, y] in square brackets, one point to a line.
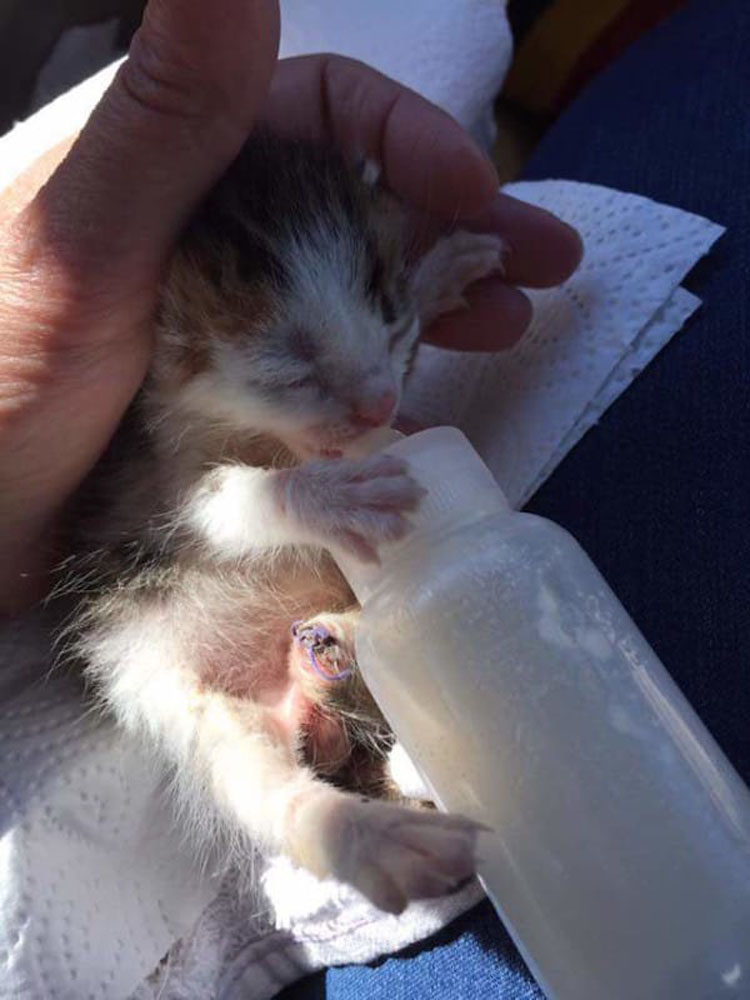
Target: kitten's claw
[391, 854]
[354, 504]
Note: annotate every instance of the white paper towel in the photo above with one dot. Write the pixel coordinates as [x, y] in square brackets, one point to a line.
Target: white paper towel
[525, 408]
[455, 54]
[94, 886]
[94, 882]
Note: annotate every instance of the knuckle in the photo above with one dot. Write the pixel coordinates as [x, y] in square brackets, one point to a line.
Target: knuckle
[159, 80]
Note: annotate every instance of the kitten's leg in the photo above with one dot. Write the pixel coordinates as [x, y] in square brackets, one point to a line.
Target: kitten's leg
[356, 504]
[232, 765]
[449, 267]
[390, 853]
[331, 662]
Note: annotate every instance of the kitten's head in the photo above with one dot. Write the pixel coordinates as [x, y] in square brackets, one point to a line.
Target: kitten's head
[288, 310]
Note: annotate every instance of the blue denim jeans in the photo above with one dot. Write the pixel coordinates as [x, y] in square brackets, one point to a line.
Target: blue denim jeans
[659, 491]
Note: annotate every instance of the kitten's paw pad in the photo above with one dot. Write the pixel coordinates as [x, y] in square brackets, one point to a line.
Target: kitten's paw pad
[356, 505]
[454, 263]
[393, 854]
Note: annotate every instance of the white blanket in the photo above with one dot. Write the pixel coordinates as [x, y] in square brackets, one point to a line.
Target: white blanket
[95, 885]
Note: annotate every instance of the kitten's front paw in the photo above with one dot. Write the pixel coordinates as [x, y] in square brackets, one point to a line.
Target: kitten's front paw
[391, 854]
[446, 271]
[355, 505]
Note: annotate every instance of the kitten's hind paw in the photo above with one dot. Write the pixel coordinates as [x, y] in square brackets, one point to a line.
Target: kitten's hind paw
[327, 650]
[390, 853]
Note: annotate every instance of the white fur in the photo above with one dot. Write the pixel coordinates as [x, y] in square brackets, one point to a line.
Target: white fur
[371, 172]
[321, 299]
[166, 651]
[230, 769]
[246, 382]
[236, 512]
[223, 754]
[356, 504]
[390, 853]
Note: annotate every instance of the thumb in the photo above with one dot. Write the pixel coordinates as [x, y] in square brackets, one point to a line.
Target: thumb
[175, 115]
[79, 263]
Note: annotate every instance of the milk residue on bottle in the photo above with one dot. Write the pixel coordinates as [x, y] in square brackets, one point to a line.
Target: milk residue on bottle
[619, 856]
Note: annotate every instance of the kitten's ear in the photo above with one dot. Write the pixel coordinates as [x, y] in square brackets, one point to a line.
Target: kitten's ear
[368, 171]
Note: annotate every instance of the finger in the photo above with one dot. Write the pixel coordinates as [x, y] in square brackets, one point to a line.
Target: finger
[426, 157]
[497, 317]
[542, 251]
[23, 188]
[81, 260]
[174, 117]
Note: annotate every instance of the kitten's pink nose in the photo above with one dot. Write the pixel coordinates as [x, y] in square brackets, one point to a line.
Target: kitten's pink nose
[374, 411]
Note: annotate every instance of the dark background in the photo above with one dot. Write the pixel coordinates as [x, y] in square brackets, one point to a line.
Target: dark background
[29, 30]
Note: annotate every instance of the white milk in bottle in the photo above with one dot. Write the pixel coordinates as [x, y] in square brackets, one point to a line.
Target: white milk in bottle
[620, 852]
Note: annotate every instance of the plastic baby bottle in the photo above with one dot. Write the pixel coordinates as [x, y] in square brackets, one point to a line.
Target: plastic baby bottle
[619, 856]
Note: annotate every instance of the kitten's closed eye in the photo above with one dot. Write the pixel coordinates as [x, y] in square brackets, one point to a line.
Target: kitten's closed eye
[401, 331]
[301, 383]
[387, 309]
[302, 345]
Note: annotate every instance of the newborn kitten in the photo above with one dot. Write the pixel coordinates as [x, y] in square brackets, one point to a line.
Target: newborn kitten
[287, 321]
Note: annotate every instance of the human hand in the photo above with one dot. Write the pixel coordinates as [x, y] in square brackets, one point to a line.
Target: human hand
[433, 165]
[83, 239]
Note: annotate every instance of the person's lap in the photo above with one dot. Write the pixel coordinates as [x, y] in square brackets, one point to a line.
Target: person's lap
[658, 492]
